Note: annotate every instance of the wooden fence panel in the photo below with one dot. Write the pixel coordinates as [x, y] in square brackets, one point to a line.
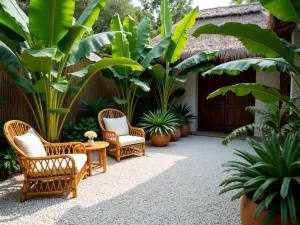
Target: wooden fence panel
[17, 108]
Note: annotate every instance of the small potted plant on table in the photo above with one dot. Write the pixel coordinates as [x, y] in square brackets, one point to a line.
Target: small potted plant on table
[160, 125]
[269, 182]
[91, 135]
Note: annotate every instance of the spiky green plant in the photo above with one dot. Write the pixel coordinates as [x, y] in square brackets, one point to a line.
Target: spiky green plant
[159, 122]
[270, 177]
[274, 118]
[185, 111]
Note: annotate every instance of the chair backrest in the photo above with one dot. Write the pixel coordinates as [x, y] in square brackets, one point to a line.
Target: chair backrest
[109, 113]
[14, 128]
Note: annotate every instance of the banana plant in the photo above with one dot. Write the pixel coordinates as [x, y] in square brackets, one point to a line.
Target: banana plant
[37, 49]
[165, 77]
[280, 53]
[132, 41]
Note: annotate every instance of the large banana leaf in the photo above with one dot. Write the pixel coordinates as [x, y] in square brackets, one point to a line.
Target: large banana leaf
[91, 13]
[253, 37]
[38, 60]
[286, 10]
[50, 21]
[17, 78]
[156, 52]
[141, 84]
[120, 45]
[10, 37]
[157, 71]
[90, 44]
[85, 22]
[165, 18]
[12, 8]
[8, 57]
[195, 70]
[196, 59]
[180, 37]
[129, 25]
[107, 63]
[9, 21]
[143, 37]
[238, 66]
[263, 93]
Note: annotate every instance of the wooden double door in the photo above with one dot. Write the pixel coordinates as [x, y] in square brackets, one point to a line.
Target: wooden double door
[224, 113]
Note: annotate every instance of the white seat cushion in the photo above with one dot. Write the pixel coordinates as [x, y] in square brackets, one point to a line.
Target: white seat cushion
[61, 166]
[30, 144]
[118, 125]
[130, 140]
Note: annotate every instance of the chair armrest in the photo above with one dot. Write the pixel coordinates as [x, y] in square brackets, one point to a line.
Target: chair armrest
[50, 165]
[111, 137]
[64, 148]
[135, 131]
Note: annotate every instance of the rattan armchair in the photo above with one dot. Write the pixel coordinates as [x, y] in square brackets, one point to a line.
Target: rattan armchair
[116, 149]
[52, 174]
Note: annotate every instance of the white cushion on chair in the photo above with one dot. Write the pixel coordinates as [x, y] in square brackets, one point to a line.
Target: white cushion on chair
[118, 125]
[30, 144]
[61, 167]
[130, 140]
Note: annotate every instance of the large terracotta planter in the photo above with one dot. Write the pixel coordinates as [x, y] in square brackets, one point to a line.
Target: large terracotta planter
[185, 130]
[176, 135]
[159, 140]
[247, 210]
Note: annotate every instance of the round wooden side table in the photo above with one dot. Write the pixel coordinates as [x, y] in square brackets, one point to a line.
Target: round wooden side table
[100, 147]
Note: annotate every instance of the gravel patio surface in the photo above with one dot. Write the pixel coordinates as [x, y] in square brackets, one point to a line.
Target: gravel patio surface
[178, 184]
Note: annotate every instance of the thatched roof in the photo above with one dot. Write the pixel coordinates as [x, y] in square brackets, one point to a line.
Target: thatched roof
[229, 48]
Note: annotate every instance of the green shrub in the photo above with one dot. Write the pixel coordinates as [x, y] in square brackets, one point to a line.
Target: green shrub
[9, 163]
[75, 132]
[92, 107]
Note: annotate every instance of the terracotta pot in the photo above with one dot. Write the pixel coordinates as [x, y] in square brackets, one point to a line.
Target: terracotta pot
[176, 135]
[160, 140]
[247, 210]
[185, 130]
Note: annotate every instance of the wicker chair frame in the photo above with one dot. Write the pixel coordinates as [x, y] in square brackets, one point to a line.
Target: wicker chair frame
[52, 174]
[115, 149]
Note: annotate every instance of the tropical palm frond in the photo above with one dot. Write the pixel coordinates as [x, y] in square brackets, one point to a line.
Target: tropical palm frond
[246, 130]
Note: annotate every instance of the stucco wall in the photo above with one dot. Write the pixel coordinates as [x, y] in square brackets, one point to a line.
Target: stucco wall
[269, 79]
[190, 97]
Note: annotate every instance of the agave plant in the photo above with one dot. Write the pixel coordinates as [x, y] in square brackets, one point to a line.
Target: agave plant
[185, 111]
[43, 45]
[274, 118]
[159, 122]
[270, 176]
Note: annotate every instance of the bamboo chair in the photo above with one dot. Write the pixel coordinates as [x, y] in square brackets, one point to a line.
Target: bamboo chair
[116, 149]
[51, 174]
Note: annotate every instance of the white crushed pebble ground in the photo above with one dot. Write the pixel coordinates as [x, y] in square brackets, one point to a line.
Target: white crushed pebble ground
[178, 184]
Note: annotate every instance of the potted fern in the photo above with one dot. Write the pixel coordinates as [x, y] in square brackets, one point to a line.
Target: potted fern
[160, 125]
[268, 181]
